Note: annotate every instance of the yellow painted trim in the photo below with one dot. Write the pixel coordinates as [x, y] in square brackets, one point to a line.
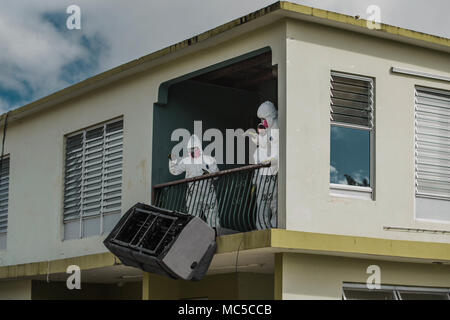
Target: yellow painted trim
[285, 239]
[87, 262]
[350, 20]
[243, 241]
[146, 286]
[278, 277]
[282, 6]
[280, 240]
[274, 240]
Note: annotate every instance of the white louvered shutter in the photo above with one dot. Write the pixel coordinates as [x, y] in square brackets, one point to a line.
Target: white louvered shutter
[4, 195]
[73, 174]
[351, 100]
[93, 174]
[432, 143]
[112, 174]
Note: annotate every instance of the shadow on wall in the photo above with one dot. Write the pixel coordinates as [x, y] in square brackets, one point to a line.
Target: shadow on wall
[41, 290]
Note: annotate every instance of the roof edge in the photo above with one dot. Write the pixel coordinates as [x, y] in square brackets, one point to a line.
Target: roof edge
[362, 23]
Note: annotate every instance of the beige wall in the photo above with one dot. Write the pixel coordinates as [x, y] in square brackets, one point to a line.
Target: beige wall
[15, 290]
[312, 52]
[321, 277]
[42, 290]
[37, 157]
[234, 286]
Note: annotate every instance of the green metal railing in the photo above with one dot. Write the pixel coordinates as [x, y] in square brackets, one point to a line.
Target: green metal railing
[241, 199]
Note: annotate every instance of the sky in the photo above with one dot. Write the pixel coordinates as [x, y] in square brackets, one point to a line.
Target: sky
[39, 55]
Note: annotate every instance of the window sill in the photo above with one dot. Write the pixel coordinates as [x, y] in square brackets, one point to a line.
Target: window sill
[354, 192]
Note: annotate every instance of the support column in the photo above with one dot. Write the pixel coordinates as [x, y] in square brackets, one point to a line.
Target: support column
[278, 277]
[146, 286]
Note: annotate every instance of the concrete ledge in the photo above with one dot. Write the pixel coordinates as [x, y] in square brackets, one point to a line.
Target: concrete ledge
[58, 266]
[280, 240]
[269, 241]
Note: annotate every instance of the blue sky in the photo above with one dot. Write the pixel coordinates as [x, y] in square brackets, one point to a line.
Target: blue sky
[39, 55]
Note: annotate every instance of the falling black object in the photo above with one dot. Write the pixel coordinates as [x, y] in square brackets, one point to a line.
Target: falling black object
[164, 242]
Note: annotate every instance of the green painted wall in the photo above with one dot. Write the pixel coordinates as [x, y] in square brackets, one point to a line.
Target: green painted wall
[230, 286]
[41, 290]
[189, 101]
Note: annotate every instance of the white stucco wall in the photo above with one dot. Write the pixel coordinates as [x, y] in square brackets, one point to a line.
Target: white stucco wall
[313, 277]
[313, 51]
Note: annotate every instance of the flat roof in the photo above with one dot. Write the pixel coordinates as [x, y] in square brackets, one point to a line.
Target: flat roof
[283, 8]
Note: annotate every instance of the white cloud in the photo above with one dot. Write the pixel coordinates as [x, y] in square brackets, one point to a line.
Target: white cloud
[33, 52]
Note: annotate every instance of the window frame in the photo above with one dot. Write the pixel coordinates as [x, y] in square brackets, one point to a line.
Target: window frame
[397, 290]
[357, 192]
[101, 214]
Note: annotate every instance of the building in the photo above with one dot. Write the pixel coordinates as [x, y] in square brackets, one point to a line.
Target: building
[350, 97]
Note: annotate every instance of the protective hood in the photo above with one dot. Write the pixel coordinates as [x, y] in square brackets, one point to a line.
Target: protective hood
[267, 111]
[194, 142]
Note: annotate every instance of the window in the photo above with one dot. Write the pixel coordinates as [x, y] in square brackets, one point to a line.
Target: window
[4, 195]
[93, 180]
[432, 154]
[357, 291]
[352, 135]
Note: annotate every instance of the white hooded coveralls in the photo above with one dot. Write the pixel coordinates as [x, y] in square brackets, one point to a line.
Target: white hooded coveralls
[201, 198]
[266, 180]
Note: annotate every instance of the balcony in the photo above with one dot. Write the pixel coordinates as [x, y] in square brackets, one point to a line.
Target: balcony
[239, 199]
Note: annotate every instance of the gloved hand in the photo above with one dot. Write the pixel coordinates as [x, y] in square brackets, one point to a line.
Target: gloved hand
[267, 161]
[252, 134]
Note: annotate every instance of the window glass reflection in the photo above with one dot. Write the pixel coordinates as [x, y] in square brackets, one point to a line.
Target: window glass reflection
[350, 156]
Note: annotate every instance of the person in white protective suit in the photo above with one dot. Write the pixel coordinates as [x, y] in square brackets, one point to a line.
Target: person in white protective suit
[266, 179]
[201, 198]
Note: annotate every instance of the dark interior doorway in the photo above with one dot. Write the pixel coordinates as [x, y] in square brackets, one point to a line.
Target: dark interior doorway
[224, 96]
